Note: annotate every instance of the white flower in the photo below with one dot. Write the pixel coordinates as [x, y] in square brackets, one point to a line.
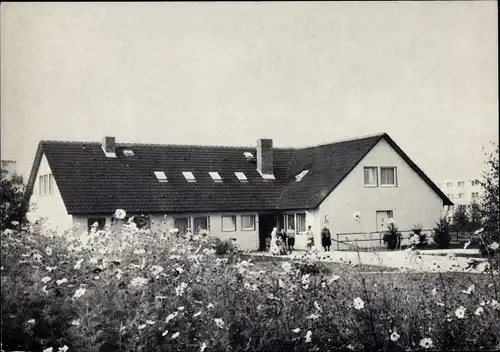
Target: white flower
[494, 304]
[350, 347]
[308, 336]
[313, 316]
[469, 290]
[176, 335]
[15, 223]
[62, 281]
[210, 306]
[139, 282]
[296, 330]
[171, 316]
[333, 279]
[460, 312]
[44, 289]
[358, 303]
[494, 246]
[197, 314]
[395, 336]
[305, 280]
[50, 268]
[119, 273]
[426, 343]
[164, 333]
[140, 327]
[156, 269]
[50, 349]
[139, 251]
[75, 322]
[219, 322]
[281, 284]
[286, 267]
[80, 292]
[63, 349]
[150, 322]
[93, 260]
[316, 305]
[48, 251]
[479, 311]
[45, 279]
[179, 290]
[176, 230]
[414, 239]
[120, 214]
[78, 264]
[180, 308]
[477, 232]
[31, 321]
[434, 291]
[467, 244]
[203, 347]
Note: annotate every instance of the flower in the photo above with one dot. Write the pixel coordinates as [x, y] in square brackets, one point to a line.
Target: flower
[156, 269]
[171, 316]
[44, 289]
[287, 267]
[150, 322]
[31, 321]
[333, 279]
[175, 335]
[494, 246]
[316, 305]
[63, 349]
[15, 223]
[477, 232]
[139, 282]
[467, 244]
[50, 349]
[62, 281]
[180, 308]
[460, 312]
[313, 316]
[479, 311]
[305, 280]
[139, 251]
[395, 336]
[48, 251]
[140, 327]
[210, 305]
[164, 333]
[80, 292]
[434, 291]
[414, 239]
[78, 264]
[197, 314]
[296, 330]
[75, 322]
[358, 303]
[469, 290]
[50, 268]
[219, 322]
[494, 304]
[426, 343]
[179, 290]
[308, 336]
[120, 214]
[45, 279]
[203, 347]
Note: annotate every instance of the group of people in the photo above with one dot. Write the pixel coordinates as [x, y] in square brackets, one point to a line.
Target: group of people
[283, 242]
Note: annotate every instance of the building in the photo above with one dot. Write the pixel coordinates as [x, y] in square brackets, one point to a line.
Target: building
[461, 191]
[235, 192]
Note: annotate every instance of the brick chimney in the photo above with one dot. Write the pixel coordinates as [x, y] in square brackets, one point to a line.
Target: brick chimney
[109, 147]
[265, 156]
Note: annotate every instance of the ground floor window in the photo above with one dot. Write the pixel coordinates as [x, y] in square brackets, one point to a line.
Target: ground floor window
[295, 221]
[248, 222]
[101, 223]
[200, 223]
[182, 224]
[229, 223]
[301, 222]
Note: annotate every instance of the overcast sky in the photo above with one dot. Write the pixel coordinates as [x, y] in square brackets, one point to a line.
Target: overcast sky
[229, 73]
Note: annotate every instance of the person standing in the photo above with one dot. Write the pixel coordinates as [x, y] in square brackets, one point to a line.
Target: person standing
[326, 239]
[310, 238]
[291, 238]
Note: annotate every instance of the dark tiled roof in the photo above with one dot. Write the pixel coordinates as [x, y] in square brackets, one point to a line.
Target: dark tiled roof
[90, 182]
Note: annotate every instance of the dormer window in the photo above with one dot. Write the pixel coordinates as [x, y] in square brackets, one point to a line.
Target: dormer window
[300, 176]
[160, 176]
[128, 152]
[241, 176]
[188, 175]
[216, 177]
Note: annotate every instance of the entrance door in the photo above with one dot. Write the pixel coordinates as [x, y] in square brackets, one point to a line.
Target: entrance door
[266, 224]
[383, 217]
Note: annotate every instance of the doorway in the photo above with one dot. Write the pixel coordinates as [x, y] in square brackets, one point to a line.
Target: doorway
[383, 217]
[266, 224]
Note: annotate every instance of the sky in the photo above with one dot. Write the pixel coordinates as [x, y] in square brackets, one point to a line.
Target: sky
[215, 73]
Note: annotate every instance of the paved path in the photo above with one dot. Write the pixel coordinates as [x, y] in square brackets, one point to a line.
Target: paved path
[394, 259]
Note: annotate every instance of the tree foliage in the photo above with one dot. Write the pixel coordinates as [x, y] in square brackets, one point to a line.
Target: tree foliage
[490, 201]
[14, 206]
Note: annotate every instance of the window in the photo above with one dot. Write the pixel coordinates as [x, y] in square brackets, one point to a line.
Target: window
[300, 176]
[475, 195]
[290, 221]
[40, 185]
[188, 175]
[182, 224]
[128, 152]
[371, 177]
[101, 223]
[460, 195]
[388, 176]
[475, 182]
[229, 223]
[248, 222]
[45, 185]
[301, 222]
[200, 222]
[241, 176]
[460, 183]
[160, 176]
[449, 184]
[51, 180]
[216, 177]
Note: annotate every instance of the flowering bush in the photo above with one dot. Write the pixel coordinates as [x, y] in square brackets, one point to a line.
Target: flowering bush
[128, 289]
[392, 238]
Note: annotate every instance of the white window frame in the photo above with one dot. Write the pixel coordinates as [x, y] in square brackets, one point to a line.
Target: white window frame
[160, 176]
[253, 222]
[45, 185]
[200, 217]
[241, 176]
[51, 186]
[222, 223]
[376, 177]
[40, 185]
[395, 184]
[183, 217]
[215, 176]
[188, 175]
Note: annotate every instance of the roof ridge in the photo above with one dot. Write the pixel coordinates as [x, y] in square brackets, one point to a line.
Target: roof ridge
[380, 134]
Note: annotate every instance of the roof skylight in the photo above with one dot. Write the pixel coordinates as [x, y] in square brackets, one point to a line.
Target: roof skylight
[160, 176]
[128, 152]
[215, 176]
[300, 176]
[188, 175]
[241, 176]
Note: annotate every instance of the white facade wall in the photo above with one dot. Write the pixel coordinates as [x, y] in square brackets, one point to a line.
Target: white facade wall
[412, 201]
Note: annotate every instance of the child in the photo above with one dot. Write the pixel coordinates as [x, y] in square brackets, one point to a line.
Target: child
[310, 238]
[291, 238]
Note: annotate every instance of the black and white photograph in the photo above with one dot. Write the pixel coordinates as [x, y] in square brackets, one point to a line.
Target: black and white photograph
[250, 176]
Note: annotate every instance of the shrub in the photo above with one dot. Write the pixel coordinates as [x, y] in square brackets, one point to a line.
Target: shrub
[441, 234]
[392, 238]
[222, 247]
[15, 205]
[421, 237]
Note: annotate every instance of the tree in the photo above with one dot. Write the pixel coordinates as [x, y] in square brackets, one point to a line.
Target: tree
[490, 201]
[441, 234]
[461, 219]
[474, 216]
[15, 205]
